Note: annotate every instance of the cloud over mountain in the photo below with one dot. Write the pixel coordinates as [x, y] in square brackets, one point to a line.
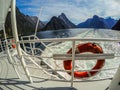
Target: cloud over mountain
[76, 10]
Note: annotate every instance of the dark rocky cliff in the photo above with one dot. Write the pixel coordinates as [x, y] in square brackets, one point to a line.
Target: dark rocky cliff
[25, 24]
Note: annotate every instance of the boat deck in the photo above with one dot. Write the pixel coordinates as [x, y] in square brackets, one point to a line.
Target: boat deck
[41, 84]
[10, 81]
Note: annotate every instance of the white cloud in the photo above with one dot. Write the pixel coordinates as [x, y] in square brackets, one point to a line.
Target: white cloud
[117, 1]
[75, 10]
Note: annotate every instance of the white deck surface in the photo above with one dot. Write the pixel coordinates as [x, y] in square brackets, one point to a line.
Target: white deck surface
[10, 81]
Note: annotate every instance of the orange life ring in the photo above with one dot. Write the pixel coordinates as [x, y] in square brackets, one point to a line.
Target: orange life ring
[81, 48]
[13, 43]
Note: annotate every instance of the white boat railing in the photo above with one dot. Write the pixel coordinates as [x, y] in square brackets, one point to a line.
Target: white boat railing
[72, 56]
[34, 54]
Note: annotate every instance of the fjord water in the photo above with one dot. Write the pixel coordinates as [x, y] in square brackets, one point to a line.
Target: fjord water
[60, 33]
[108, 47]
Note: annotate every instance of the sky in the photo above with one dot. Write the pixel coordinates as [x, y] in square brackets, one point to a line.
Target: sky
[76, 10]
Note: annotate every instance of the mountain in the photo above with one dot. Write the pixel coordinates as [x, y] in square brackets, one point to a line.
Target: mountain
[116, 26]
[97, 22]
[55, 23]
[60, 22]
[110, 22]
[34, 19]
[66, 20]
[25, 24]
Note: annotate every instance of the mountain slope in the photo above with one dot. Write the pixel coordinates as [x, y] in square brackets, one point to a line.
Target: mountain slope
[117, 26]
[110, 22]
[33, 20]
[25, 24]
[60, 22]
[66, 20]
[55, 24]
[97, 22]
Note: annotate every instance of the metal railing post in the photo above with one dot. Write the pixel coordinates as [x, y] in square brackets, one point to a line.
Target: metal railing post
[73, 61]
[15, 33]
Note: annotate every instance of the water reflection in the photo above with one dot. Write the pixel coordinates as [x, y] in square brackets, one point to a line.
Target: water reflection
[60, 33]
[54, 34]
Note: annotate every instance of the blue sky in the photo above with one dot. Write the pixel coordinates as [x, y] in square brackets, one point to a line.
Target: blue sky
[76, 10]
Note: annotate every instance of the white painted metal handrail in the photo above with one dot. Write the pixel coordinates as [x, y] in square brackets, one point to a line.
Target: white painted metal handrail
[15, 34]
[83, 56]
[73, 56]
[70, 39]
